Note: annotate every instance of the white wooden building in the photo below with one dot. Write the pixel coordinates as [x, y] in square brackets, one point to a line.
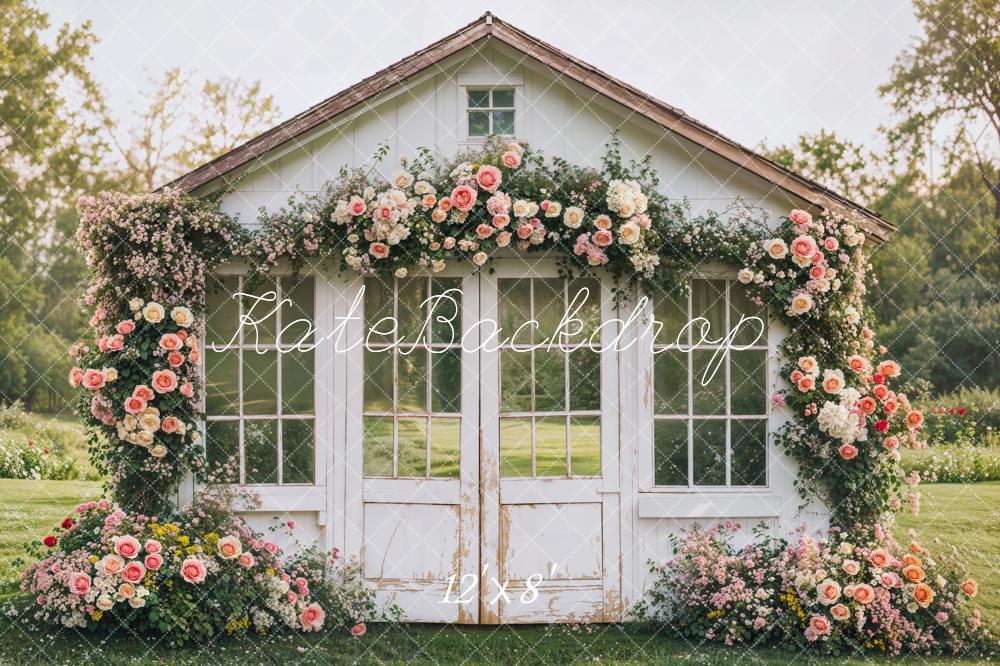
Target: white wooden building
[440, 473]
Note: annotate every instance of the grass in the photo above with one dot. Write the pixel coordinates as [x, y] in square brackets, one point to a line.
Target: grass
[957, 514]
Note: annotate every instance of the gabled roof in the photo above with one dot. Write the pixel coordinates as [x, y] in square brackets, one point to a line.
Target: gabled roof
[488, 26]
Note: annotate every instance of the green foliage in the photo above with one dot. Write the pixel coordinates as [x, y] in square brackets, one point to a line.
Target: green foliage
[27, 459]
[955, 463]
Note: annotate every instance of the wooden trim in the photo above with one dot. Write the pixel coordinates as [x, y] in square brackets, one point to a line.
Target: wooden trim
[562, 64]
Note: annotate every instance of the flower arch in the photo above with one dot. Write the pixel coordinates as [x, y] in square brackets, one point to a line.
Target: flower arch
[850, 413]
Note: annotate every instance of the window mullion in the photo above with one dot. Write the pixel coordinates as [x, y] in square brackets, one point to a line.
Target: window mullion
[239, 380]
[278, 389]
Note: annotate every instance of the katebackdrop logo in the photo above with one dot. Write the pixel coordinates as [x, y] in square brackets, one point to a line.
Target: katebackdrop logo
[443, 311]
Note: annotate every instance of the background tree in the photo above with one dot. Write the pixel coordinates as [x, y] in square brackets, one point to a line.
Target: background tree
[950, 79]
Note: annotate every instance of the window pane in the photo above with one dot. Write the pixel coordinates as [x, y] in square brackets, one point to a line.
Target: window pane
[297, 317]
[584, 380]
[449, 308]
[446, 436]
[708, 300]
[710, 452]
[748, 382]
[515, 309]
[709, 398]
[670, 453]
[550, 446]
[260, 382]
[222, 383]
[222, 314]
[378, 380]
[412, 456]
[588, 311]
[260, 445]
[412, 387]
[503, 98]
[585, 445]
[503, 122]
[515, 381]
[297, 382]
[411, 310]
[378, 446]
[670, 310]
[515, 447]
[550, 385]
[297, 450]
[479, 98]
[378, 306]
[670, 382]
[222, 448]
[749, 455]
[549, 308]
[750, 333]
[258, 311]
[479, 123]
[446, 380]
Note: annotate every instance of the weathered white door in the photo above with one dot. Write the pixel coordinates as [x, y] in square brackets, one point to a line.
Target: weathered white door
[482, 478]
[549, 455]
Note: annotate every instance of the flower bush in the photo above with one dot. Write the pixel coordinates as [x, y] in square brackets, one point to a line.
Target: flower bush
[26, 459]
[958, 463]
[853, 592]
[193, 577]
[139, 387]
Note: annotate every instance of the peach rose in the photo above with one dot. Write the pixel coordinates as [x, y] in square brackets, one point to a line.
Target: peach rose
[923, 595]
[879, 557]
[175, 359]
[170, 342]
[93, 379]
[246, 560]
[428, 201]
[133, 572]
[800, 217]
[230, 547]
[78, 582]
[602, 222]
[164, 381]
[913, 573]
[464, 197]
[134, 405]
[820, 625]
[125, 327]
[851, 567]
[858, 364]
[796, 376]
[863, 593]
[187, 389]
[867, 405]
[75, 377]
[801, 303]
[127, 546]
[809, 365]
[776, 248]
[111, 564]
[378, 250]
[914, 418]
[889, 368]
[828, 592]
[488, 177]
[511, 160]
[881, 391]
[445, 204]
[848, 451]
[970, 587]
[840, 612]
[144, 392]
[833, 381]
[170, 424]
[153, 561]
[311, 618]
[193, 570]
[911, 559]
[807, 384]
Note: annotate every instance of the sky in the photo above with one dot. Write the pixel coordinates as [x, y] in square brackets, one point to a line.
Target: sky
[755, 70]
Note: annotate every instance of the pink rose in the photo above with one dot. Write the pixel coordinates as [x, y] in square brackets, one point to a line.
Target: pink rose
[153, 561]
[187, 389]
[464, 197]
[127, 546]
[524, 231]
[356, 206]
[503, 239]
[820, 625]
[75, 377]
[79, 582]
[125, 327]
[359, 629]
[484, 231]
[175, 359]
[804, 247]
[171, 341]
[133, 572]
[602, 238]
[144, 392]
[116, 342]
[93, 379]
[247, 560]
[164, 381]
[501, 221]
[192, 570]
[152, 546]
[830, 244]
[312, 617]
[111, 564]
[848, 451]
[271, 547]
[134, 405]
[511, 160]
[800, 217]
[170, 424]
[378, 250]
[488, 177]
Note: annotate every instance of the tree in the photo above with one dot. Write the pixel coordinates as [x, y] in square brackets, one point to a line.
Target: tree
[950, 78]
[176, 130]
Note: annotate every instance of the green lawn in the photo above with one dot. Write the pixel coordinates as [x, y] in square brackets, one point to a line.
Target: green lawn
[959, 514]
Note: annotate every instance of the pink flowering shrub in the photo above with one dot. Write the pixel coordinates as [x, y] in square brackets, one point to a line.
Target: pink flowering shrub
[194, 576]
[853, 592]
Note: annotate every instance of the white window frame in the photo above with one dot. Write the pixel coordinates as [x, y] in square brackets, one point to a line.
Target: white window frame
[489, 81]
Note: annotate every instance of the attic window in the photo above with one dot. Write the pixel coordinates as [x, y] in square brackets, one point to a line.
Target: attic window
[490, 111]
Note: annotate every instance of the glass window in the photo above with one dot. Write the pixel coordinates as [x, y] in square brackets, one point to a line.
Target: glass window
[259, 387]
[550, 411]
[710, 406]
[413, 378]
[491, 112]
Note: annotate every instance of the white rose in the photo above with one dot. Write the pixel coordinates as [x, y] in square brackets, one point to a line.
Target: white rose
[135, 304]
[573, 217]
[104, 602]
[776, 248]
[182, 316]
[144, 438]
[628, 234]
[400, 272]
[110, 374]
[801, 303]
[402, 179]
[745, 276]
[521, 208]
[554, 209]
[158, 451]
[153, 312]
